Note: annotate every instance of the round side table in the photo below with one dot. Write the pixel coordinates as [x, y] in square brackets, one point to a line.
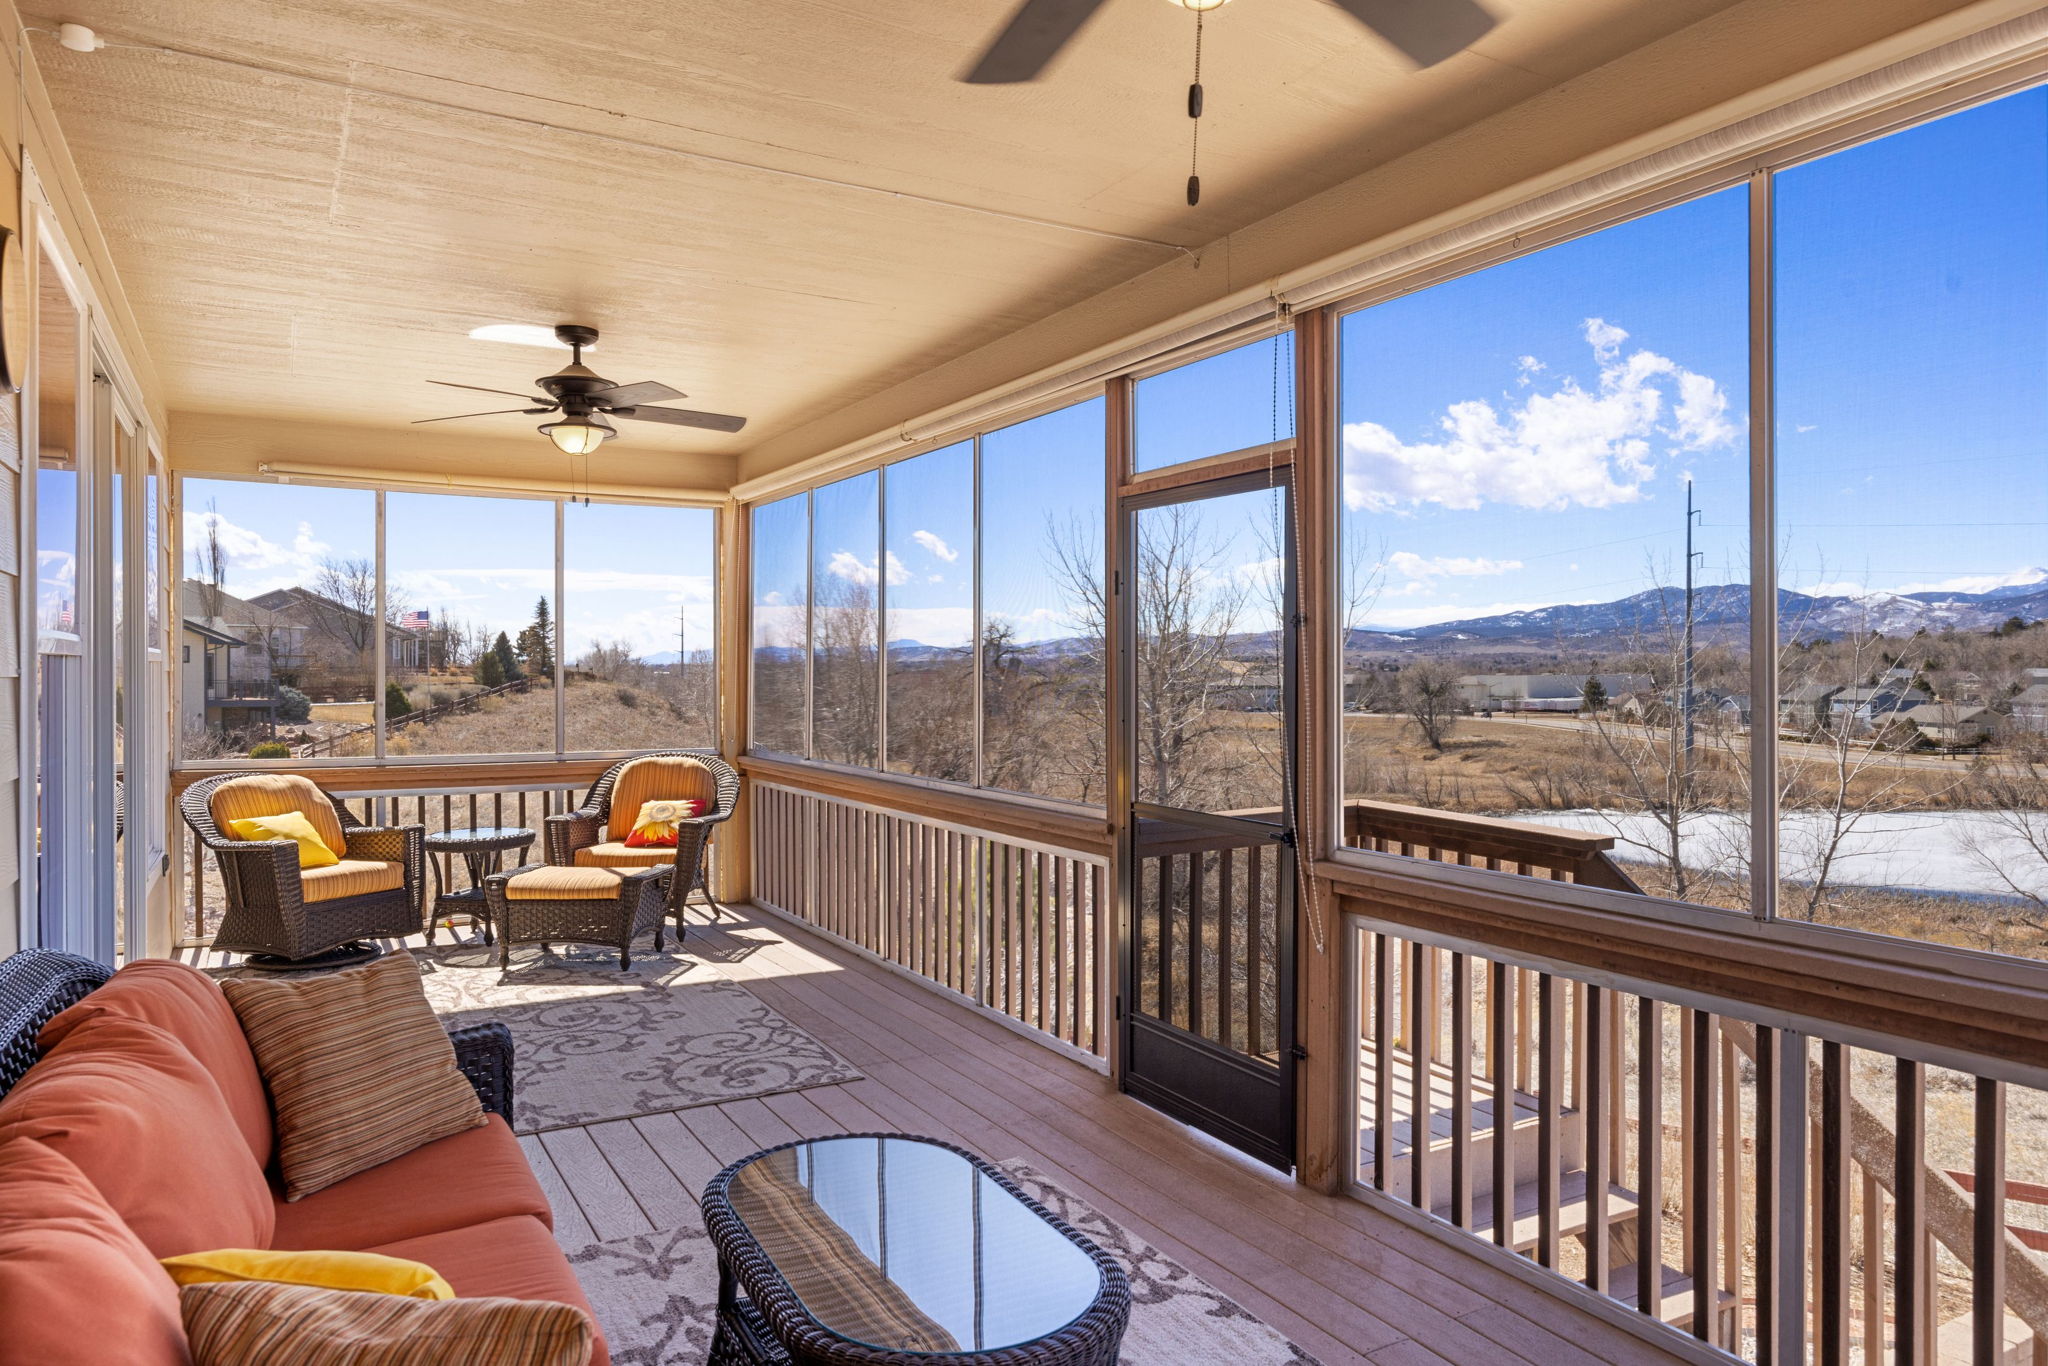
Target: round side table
[483, 853]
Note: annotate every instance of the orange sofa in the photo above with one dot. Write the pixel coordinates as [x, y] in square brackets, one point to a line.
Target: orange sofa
[144, 1131]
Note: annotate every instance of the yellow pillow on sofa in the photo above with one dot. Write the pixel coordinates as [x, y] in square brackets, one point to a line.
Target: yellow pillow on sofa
[292, 825]
[367, 1271]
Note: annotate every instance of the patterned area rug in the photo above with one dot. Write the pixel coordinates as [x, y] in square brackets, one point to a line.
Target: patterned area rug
[656, 1295]
[592, 1043]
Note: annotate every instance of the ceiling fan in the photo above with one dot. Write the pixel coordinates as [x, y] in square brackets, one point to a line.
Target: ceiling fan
[585, 399]
[1427, 31]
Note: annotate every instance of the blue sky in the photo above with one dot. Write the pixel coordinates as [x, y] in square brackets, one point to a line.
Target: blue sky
[1521, 436]
[632, 571]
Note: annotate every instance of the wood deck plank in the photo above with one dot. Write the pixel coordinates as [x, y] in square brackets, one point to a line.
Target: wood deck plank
[666, 1199]
[600, 1194]
[570, 1224]
[679, 1150]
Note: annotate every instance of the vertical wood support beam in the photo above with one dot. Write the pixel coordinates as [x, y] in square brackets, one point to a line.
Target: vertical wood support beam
[1119, 933]
[1322, 1099]
[733, 866]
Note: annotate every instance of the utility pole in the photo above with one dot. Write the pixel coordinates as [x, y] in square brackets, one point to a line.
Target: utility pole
[1686, 689]
[682, 649]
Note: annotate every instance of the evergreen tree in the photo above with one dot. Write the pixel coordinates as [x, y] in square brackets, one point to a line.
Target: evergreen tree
[537, 642]
[508, 662]
[489, 672]
[1593, 697]
[396, 703]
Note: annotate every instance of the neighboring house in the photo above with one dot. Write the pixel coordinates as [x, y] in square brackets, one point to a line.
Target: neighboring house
[1807, 707]
[1252, 690]
[225, 665]
[2030, 705]
[332, 646]
[1950, 725]
[1540, 692]
[1862, 709]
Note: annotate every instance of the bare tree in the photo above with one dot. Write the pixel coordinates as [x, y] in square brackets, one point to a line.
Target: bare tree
[845, 673]
[212, 563]
[1429, 693]
[608, 662]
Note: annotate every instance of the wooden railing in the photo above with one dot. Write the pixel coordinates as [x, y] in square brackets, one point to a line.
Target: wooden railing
[1016, 926]
[1778, 1193]
[1484, 842]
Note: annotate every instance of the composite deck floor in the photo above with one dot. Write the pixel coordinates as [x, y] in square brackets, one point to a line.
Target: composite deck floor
[1345, 1283]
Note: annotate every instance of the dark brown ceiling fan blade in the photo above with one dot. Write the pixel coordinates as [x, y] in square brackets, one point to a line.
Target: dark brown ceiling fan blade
[457, 417]
[682, 417]
[1427, 31]
[508, 393]
[646, 391]
[1032, 38]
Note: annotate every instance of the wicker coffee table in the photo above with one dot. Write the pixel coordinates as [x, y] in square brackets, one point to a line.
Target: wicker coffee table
[483, 852]
[885, 1248]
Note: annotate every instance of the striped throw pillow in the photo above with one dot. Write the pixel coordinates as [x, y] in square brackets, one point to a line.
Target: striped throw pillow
[358, 1068]
[259, 1323]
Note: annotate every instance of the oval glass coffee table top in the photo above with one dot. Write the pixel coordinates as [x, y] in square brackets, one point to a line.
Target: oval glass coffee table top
[483, 834]
[907, 1246]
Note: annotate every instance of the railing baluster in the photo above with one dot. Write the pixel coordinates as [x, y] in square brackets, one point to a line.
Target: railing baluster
[1700, 1138]
[1987, 1241]
[1834, 1204]
[1500, 993]
[1911, 1306]
[1198, 880]
[1382, 1059]
[1649, 1157]
[1422, 1073]
[1872, 1199]
[1254, 944]
[1226, 977]
[1593, 1086]
[1550, 1120]
[1461, 1090]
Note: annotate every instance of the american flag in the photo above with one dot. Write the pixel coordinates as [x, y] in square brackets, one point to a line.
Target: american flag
[417, 621]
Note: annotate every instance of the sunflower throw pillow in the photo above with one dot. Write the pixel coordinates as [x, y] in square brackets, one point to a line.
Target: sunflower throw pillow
[658, 823]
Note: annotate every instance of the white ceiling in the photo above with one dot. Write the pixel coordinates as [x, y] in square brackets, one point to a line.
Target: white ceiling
[310, 204]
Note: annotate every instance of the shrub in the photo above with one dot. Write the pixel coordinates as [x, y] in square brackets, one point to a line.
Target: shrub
[628, 698]
[440, 697]
[490, 672]
[396, 703]
[270, 749]
[293, 706]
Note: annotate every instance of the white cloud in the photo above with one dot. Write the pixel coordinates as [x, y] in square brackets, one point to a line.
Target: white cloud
[1527, 368]
[1408, 618]
[1456, 566]
[1562, 447]
[936, 545]
[846, 565]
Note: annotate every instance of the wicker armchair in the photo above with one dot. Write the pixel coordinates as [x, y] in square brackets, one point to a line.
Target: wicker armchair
[283, 918]
[591, 835]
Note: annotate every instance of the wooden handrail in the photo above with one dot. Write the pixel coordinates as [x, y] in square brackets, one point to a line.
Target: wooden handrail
[1737, 962]
[498, 775]
[1024, 818]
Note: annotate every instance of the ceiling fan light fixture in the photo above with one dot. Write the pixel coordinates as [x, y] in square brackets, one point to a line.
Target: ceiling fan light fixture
[1199, 6]
[579, 435]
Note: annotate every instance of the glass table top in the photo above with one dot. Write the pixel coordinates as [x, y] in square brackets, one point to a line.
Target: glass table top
[904, 1245]
[481, 834]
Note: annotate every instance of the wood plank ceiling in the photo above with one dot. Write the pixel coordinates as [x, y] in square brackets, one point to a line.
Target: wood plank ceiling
[778, 207]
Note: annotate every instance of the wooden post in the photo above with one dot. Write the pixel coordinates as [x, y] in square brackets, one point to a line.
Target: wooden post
[1322, 1139]
[732, 864]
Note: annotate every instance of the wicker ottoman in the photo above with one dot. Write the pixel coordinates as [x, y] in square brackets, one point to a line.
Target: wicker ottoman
[539, 904]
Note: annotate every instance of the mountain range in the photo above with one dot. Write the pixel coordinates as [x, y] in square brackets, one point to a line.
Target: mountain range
[1722, 611]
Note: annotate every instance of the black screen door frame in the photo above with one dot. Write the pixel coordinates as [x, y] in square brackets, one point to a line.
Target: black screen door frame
[1244, 1101]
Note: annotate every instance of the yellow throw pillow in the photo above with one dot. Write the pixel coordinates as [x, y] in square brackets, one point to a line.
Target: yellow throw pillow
[292, 825]
[366, 1271]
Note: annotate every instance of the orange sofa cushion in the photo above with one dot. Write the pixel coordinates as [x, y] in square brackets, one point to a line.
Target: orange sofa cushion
[466, 1178]
[612, 854]
[515, 1258]
[190, 1006]
[271, 794]
[133, 1110]
[76, 1286]
[664, 777]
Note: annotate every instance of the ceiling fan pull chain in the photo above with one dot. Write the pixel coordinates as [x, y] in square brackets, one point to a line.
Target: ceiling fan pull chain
[1195, 113]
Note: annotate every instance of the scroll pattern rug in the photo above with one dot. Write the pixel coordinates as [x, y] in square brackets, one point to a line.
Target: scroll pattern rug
[592, 1043]
[656, 1295]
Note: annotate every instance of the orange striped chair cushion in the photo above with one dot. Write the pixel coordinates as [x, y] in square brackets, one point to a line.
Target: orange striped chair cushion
[556, 883]
[615, 855]
[658, 778]
[358, 1068]
[272, 794]
[350, 877]
[259, 1323]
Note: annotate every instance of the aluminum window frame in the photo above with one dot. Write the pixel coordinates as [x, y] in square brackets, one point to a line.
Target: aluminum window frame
[173, 543]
